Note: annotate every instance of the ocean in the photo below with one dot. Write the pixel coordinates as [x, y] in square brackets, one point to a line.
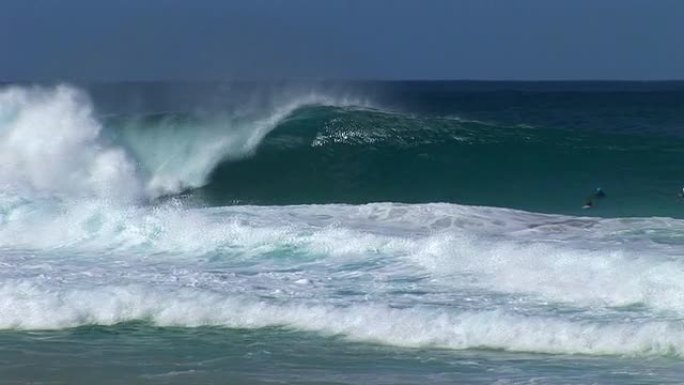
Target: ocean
[320, 232]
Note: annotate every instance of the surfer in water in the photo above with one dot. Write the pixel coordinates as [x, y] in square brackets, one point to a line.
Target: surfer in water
[598, 194]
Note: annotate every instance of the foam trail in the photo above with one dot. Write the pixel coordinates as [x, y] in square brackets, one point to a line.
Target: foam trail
[461, 248]
[34, 306]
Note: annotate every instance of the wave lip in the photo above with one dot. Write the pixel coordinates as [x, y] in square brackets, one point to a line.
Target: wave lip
[177, 157]
[52, 143]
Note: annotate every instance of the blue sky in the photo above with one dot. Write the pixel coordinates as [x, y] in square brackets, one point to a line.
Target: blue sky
[335, 39]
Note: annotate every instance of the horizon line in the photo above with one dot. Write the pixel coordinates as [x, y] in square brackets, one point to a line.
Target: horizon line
[350, 80]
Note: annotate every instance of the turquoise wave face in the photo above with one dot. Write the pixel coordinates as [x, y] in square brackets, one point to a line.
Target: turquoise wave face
[352, 155]
[107, 267]
[536, 150]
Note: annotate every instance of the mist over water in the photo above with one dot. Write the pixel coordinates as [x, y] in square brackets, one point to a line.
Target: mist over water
[387, 223]
[51, 143]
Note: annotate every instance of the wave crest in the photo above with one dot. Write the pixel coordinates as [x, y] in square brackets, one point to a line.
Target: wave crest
[52, 143]
[38, 308]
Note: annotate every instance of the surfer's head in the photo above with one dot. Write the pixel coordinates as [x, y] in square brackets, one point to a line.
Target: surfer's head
[598, 193]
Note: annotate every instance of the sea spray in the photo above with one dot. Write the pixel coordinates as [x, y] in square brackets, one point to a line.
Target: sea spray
[447, 244]
[179, 152]
[51, 143]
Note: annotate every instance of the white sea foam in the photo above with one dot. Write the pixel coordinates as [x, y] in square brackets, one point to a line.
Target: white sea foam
[457, 247]
[52, 143]
[33, 306]
[493, 278]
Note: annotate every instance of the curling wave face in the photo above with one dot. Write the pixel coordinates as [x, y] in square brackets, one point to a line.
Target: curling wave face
[308, 147]
[53, 143]
[85, 239]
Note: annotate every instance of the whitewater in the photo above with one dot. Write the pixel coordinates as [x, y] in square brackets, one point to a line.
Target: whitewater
[159, 245]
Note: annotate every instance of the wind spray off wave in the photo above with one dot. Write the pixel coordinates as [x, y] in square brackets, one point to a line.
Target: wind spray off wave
[52, 142]
[298, 226]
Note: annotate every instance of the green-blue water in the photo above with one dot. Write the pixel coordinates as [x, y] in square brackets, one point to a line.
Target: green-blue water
[132, 354]
[342, 233]
[326, 155]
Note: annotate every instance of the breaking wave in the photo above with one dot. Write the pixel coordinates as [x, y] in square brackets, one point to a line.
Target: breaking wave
[53, 142]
